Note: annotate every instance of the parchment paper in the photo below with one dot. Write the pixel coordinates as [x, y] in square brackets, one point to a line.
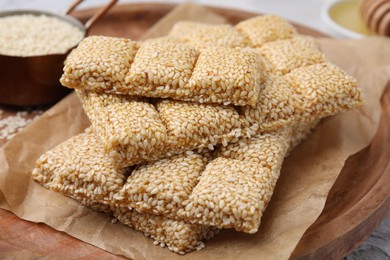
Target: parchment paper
[306, 178]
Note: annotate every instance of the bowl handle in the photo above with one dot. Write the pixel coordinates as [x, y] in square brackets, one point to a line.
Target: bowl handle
[96, 16]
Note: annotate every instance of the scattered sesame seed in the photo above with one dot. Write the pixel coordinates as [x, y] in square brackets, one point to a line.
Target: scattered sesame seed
[10, 125]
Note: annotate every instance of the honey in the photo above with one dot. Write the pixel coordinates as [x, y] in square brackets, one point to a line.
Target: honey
[346, 14]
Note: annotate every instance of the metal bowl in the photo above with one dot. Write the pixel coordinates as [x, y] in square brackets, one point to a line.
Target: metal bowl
[34, 80]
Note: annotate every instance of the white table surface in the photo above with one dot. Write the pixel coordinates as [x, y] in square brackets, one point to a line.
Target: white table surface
[305, 12]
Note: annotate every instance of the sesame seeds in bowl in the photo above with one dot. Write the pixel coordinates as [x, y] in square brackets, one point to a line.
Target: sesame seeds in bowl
[33, 47]
[25, 35]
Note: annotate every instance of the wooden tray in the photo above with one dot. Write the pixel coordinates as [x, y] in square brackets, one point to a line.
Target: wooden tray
[357, 203]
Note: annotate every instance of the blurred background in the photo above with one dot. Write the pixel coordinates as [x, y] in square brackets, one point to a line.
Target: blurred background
[311, 13]
[327, 16]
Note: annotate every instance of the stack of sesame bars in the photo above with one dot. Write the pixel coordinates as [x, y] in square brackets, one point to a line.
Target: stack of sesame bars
[189, 132]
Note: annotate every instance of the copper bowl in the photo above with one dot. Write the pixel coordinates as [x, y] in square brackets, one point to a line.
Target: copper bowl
[34, 80]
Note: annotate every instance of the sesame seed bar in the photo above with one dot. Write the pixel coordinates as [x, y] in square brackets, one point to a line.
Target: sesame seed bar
[79, 169]
[322, 90]
[262, 29]
[130, 129]
[134, 131]
[138, 130]
[93, 66]
[286, 55]
[286, 97]
[192, 125]
[161, 187]
[235, 188]
[190, 187]
[231, 191]
[165, 68]
[253, 32]
[281, 54]
[297, 77]
[200, 35]
[179, 236]
[173, 187]
[181, 199]
[161, 67]
[266, 149]
[230, 194]
[224, 71]
[303, 95]
[274, 109]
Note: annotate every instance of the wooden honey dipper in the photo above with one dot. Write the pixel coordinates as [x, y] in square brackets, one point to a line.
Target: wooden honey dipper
[376, 15]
